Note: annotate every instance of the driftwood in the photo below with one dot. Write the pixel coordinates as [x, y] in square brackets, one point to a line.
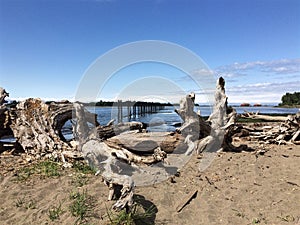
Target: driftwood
[110, 130]
[111, 161]
[36, 126]
[123, 152]
[3, 95]
[263, 117]
[288, 131]
[190, 126]
[222, 121]
[4, 115]
[186, 200]
[145, 143]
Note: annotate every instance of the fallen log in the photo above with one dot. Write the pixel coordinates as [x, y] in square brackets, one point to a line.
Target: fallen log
[145, 143]
[110, 130]
[252, 115]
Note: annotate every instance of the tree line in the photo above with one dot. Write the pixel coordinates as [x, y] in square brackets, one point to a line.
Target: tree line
[290, 99]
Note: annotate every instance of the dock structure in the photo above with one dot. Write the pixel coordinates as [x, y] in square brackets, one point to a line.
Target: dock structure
[135, 109]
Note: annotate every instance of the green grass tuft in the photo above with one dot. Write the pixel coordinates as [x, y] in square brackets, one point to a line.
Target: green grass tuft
[137, 215]
[25, 203]
[81, 206]
[83, 167]
[46, 168]
[55, 212]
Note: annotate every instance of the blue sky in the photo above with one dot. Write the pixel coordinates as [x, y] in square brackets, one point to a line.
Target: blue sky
[47, 46]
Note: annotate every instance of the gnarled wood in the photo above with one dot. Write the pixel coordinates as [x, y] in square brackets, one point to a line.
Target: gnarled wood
[4, 115]
[111, 159]
[190, 119]
[36, 127]
[110, 130]
[3, 95]
[222, 122]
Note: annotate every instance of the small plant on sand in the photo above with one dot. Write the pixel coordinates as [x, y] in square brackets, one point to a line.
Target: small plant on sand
[47, 168]
[259, 219]
[256, 221]
[25, 203]
[81, 205]
[287, 218]
[83, 167]
[79, 180]
[137, 215]
[238, 213]
[54, 212]
[24, 173]
[20, 202]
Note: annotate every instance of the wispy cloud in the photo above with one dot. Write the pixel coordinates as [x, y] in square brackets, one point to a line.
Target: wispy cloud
[282, 66]
[261, 92]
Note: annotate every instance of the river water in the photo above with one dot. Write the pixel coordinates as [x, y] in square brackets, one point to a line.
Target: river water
[168, 115]
[165, 119]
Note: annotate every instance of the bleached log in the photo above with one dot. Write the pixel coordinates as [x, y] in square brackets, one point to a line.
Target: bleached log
[37, 125]
[108, 160]
[3, 95]
[145, 143]
[263, 117]
[296, 137]
[110, 130]
[190, 119]
[4, 115]
[33, 128]
[222, 121]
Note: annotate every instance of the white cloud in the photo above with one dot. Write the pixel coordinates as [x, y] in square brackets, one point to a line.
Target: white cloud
[261, 92]
[282, 66]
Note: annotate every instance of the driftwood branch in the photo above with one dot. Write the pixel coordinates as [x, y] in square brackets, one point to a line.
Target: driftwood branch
[263, 117]
[288, 131]
[190, 119]
[108, 158]
[186, 200]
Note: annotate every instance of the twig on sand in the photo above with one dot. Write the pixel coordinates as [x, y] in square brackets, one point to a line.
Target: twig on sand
[186, 200]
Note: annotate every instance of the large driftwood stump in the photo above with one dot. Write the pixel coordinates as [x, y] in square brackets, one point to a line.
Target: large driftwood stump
[36, 126]
[222, 121]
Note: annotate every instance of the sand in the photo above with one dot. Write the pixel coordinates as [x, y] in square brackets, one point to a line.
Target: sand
[260, 187]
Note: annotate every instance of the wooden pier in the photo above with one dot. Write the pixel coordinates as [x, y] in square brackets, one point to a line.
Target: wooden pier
[135, 109]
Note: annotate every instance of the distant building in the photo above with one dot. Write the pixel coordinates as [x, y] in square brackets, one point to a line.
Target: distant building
[245, 104]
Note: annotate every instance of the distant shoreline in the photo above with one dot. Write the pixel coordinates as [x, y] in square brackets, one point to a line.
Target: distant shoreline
[287, 106]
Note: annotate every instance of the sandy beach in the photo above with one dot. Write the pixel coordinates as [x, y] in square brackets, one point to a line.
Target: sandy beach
[258, 187]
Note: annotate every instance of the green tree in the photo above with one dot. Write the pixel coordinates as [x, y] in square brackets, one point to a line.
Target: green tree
[290, 99]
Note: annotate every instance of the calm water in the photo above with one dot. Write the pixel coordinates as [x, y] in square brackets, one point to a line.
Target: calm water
[166, 119]
[105, 114]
